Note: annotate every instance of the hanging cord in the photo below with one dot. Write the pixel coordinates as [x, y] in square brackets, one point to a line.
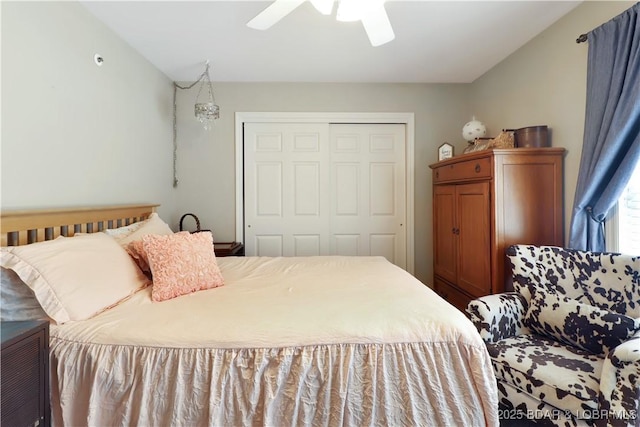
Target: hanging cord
[207, 80]
[204, 75]
[175, 137]
[176, 86]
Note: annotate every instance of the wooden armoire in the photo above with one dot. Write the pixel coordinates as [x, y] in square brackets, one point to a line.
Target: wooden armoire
[484, 202]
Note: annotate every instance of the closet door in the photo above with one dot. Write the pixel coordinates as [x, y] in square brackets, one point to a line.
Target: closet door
[325, 189]
[368, 190]
[286, 189]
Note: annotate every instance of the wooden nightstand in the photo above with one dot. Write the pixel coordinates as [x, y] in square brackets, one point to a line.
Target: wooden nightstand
[228, 249]
[25, 374]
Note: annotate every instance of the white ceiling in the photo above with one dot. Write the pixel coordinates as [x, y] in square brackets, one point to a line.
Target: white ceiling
[436, 41]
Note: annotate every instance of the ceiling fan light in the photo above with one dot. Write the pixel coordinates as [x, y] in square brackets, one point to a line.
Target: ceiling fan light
[325, 7]
[348, 11]
[378, 27]
[355, 10]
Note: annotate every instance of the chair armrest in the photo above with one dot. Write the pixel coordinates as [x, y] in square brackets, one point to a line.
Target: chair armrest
[619, 397]
[499, 316]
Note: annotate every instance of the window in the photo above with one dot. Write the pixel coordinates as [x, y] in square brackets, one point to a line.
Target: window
[623, 230]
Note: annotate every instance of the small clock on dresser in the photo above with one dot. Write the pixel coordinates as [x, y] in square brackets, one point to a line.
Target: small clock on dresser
[25, 374]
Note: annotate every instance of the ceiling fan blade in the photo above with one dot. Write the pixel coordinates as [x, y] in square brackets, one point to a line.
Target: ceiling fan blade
[273, 13]
[325, 7]
[378, 27]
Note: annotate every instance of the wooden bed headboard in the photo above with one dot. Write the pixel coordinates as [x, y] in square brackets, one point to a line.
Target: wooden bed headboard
[21, 227]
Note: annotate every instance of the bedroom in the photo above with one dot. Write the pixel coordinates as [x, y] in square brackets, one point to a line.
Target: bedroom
[102, 143]
[106, 135]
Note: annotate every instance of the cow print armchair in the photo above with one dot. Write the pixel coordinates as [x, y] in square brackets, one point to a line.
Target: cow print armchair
[565, 345]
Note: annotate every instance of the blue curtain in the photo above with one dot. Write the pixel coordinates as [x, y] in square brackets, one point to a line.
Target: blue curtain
[611, 145]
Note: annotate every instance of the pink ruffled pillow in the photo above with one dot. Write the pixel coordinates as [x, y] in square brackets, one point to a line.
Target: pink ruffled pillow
[181, 263]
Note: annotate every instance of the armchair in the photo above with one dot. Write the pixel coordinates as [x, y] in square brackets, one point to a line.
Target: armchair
[565, 344]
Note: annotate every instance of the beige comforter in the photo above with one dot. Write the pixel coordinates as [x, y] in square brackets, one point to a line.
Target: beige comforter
[287, 341]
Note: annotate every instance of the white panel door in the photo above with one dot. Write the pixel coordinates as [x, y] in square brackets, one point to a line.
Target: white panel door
[368, 200]
[286, 180]
[322, 189]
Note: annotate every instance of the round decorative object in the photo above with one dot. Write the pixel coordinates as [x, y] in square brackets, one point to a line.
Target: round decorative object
[474, 129]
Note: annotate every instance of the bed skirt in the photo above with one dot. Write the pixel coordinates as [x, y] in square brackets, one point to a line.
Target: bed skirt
[402, 384]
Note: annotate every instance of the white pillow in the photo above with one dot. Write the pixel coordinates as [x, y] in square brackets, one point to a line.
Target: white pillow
[125, 230]
[75, 278]
[153, 225]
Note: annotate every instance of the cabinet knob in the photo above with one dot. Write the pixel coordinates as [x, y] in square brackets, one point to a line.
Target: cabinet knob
[478, 168]
[437, 174]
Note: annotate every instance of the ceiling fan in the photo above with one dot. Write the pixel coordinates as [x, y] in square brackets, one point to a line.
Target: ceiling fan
[370, 12]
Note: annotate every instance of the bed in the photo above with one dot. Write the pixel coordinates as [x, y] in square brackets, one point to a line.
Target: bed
[326, 340]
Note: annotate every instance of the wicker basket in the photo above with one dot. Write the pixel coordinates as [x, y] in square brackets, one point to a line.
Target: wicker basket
[198, 229]
[504, 140]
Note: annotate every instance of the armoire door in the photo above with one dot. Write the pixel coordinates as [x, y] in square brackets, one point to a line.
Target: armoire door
[473, 232]
[444, 232]
[324, 189]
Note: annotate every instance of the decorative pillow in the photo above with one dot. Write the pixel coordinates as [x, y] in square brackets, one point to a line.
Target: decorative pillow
[181, 263]
[17, 300]
[581, 325]
[75, 278]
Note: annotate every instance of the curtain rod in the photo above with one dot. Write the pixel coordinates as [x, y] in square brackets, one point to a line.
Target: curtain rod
[582, 38]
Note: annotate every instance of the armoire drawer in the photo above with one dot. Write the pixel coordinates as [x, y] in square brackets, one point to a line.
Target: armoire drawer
[463, 171]
[452, 295]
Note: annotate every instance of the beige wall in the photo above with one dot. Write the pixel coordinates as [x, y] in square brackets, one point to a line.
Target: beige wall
[544, 83]
[101, 135]
[74, 133]
[207, 159]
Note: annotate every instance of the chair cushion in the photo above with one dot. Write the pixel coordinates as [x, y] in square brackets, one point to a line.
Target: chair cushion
[582, 325]
[557, 374]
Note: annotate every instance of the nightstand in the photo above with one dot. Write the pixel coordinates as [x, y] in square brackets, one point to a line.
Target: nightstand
[25, 374]
[228, 249]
